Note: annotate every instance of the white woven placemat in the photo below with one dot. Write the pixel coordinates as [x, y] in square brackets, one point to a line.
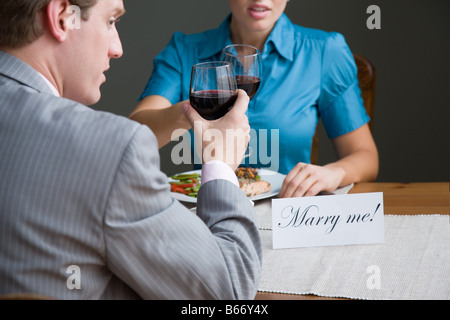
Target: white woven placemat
[412, 263]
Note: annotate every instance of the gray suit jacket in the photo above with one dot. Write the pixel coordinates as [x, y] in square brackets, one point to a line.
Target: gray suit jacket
[86, 213]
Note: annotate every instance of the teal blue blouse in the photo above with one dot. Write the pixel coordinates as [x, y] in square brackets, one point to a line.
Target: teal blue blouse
[307, 74]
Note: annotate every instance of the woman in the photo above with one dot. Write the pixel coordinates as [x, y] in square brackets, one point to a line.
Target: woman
[306, 72]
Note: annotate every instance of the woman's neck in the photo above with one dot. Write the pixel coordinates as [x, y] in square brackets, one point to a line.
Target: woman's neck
[240, 35]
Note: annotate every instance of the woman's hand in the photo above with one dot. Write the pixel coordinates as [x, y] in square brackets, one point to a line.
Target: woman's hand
[306, 180]
[358, 161]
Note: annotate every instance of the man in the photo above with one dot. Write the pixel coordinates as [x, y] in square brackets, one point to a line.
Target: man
[85, 212]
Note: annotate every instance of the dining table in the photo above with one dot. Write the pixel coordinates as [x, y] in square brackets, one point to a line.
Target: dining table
[400, 199]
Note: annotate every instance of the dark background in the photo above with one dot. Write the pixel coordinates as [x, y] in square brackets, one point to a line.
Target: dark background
[411, 53]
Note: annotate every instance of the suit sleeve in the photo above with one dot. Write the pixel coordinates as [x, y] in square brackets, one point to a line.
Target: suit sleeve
[164, 251]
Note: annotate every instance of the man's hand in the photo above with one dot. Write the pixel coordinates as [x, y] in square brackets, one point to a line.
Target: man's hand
[225, 139]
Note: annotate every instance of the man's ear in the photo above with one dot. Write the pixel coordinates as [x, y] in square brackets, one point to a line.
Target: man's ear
[57, 17]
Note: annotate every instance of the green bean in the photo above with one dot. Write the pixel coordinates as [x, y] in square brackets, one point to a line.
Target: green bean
[186, 176]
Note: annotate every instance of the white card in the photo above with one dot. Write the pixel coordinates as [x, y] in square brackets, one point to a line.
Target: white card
[328, 220]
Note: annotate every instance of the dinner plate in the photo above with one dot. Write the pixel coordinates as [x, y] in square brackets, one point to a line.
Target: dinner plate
[274, 178]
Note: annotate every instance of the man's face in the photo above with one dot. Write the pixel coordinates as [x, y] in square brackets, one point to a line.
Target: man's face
[89, 51]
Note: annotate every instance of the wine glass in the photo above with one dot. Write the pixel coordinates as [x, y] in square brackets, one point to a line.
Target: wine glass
[213, 89]
[246, 61]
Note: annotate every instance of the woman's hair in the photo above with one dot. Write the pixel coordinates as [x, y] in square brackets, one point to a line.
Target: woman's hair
[20, 20]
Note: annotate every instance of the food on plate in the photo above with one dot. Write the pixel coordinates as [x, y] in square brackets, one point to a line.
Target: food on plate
[250, 182]
[187, 184]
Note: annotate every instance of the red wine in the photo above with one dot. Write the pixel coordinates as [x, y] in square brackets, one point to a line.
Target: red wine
[249, 84]
[212, 104]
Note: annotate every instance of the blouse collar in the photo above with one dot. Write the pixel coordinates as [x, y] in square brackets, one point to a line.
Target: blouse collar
[281, 38]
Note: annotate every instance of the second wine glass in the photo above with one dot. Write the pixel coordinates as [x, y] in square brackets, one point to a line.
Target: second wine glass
[246, 62]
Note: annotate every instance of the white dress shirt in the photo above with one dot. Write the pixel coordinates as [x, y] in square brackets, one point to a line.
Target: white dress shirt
[51, 86]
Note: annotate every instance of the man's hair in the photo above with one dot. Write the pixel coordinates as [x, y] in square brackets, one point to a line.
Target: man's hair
[20, 22]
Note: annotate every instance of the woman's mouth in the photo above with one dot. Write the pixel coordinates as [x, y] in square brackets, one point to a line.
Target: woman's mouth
[258, 11]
